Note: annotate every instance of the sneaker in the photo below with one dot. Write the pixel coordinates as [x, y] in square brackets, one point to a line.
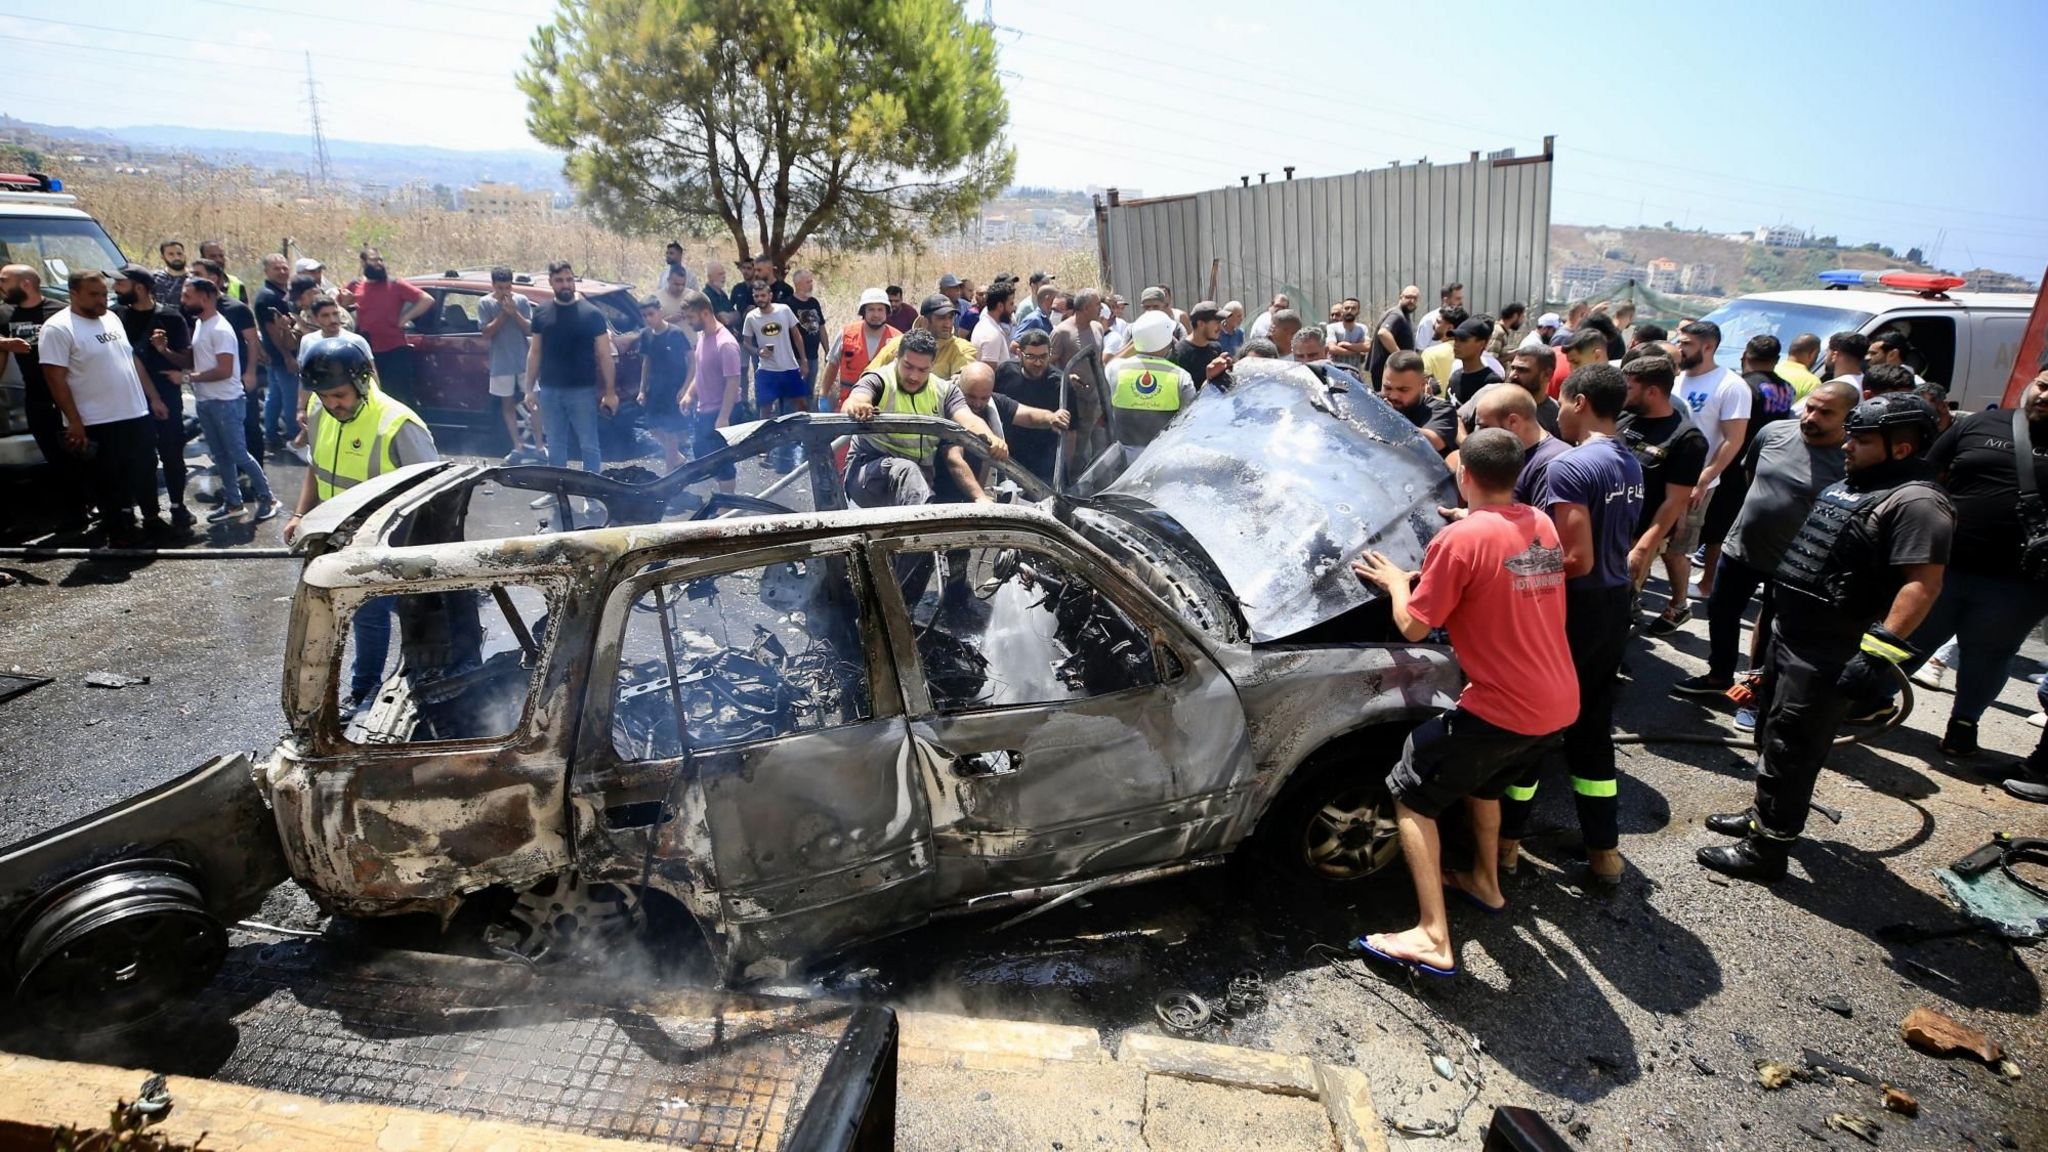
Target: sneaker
[1699, 555]
[265, 509]
[1871, 712]
[224, 512]
[181, 517]
[1745, 719]
[1960, 739]
[1702, 685]
[1933, 676]
[1666, 622]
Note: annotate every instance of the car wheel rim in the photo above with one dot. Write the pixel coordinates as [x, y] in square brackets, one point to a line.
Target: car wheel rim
[1352, 835]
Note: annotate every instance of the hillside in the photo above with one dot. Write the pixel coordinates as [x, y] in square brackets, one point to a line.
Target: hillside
[1737, 267]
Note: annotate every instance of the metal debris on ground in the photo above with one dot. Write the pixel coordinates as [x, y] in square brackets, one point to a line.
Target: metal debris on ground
[115, 680]
[1247, 992]
[1932, 1032]
[127, 1124]
[1861, 1127]
[1473, 1072]
[1182, 1012]
[1900, 1102]
[1774, 1074]
[1825, 1063]
[1704, 1068]
[14, 684]
[1837, 1004]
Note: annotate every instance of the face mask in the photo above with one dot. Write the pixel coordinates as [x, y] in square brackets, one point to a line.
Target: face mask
[375, 272]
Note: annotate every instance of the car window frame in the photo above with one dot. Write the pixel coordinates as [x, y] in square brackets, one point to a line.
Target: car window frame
[1170, 661]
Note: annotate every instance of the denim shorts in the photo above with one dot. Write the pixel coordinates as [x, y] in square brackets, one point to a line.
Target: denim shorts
[787, 384]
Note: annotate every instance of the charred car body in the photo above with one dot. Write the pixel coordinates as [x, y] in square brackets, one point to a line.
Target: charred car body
[801, 724]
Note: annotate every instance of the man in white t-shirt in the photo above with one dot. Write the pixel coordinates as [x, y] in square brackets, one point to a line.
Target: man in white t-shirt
[1719, 400]
[217, 389]
[992, 332]
[770, 333]
[1452, 296]
[96, 379]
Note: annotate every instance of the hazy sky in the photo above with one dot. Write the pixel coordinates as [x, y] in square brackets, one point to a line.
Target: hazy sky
[1879, 121]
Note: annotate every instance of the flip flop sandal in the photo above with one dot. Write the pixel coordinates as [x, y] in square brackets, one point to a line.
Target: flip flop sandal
[1473, 899]
[1411, 965]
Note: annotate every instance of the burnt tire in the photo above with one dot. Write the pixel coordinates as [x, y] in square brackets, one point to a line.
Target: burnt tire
[1334, 822]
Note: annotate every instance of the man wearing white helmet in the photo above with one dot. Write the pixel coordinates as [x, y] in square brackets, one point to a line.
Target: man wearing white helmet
[857, 344]
[1146, 390]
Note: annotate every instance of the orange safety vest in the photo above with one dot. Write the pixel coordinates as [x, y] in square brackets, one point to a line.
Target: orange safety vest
[853, 350]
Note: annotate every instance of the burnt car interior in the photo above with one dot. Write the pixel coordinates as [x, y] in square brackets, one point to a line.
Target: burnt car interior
[458, 665]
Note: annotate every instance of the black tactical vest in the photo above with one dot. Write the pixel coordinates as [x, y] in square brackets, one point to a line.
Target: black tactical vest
[1651, 455]
[1837, 557]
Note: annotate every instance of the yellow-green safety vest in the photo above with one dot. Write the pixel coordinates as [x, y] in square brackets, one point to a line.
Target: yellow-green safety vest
[894, 401]
[345, 455]
[1146, 384]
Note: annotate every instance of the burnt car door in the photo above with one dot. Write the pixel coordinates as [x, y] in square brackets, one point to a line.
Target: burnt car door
[1065, 727]
[751, 693]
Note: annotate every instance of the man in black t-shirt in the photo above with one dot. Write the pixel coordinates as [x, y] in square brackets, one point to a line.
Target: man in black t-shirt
[1029, 380]
[163, 342]
[1672, 451]
[1405, 386]
[1200, 354]
[957, 481]
[1394, 333]
[21, 323]
[274, 311]
[810, 320]
[1987, 604]
[570, 361]
[1468, 345]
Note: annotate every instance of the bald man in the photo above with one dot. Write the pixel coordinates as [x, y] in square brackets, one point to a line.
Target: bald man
[1513, 409]
[959, 481]
[1394, 333]
[21, 324]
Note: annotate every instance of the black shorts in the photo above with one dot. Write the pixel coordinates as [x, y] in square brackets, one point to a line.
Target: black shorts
[661, 411]
[1455, 755]
[704, 440]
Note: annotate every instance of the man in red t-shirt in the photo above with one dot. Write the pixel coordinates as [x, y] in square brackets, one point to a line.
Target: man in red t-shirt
[1495, 581]
[383, 308]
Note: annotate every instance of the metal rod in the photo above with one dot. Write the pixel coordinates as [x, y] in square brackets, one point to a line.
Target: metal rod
[36, 552]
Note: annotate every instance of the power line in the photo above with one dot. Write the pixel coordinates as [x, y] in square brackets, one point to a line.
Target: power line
[410, 71]
[358, 22]
[321, 173]
[282, 69]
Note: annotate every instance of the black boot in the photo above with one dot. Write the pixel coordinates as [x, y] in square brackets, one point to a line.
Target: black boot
[1731, 823]
[1754, 857]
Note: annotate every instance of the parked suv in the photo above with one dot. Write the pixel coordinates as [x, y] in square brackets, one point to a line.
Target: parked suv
[455, 358]
[800, 725]
[40, 227]
[1964, 340]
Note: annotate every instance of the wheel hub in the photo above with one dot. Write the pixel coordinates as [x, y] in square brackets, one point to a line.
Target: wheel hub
[565, 918]
[114, 945]
[1351, 836]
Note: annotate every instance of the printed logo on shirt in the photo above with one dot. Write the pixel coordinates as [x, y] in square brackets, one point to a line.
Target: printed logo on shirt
[771, 328]
[1147, 384]
[1536, 569]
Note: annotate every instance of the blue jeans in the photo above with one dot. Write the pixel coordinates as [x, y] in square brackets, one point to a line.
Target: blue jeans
[567, 412]
[372, 630]
[1989, 616]
[221, 422]
[280, 416]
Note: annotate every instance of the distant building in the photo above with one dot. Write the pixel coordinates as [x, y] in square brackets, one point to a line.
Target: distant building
[1696, 278]
[1661, 275]
[492, 199]
[1992, 280]
[1576, 281]
[1780, 236]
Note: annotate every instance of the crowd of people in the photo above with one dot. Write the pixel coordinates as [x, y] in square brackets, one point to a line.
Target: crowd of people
[1823, 482]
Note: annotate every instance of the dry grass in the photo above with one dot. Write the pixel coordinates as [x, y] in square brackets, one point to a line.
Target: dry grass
[141, 211]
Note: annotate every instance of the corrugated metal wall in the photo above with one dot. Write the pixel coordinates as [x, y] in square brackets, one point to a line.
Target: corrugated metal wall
[1485, 223]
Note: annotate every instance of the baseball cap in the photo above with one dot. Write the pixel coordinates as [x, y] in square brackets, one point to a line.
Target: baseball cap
[1206, 310]
[935, 304]
[1152, 332]
[949, 281]
[1473, 329]
[135, 273]
[305, 264]
[1150, 295]
[1549, 320]
[1042, 277]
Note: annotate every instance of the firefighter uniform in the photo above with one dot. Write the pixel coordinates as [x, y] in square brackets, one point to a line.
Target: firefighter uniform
[1836, 583]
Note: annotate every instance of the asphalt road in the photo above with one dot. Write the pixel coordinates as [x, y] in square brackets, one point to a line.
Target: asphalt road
[1632, 1019]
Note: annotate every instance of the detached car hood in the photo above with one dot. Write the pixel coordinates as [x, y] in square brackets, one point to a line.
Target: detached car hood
[1284, 480]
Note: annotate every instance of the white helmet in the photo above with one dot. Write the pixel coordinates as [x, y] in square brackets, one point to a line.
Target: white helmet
[872, 296]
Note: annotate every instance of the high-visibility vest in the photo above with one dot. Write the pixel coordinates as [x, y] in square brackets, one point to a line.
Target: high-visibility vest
[894, 401]
[345, 455]
[1146, 384]
[853, 349]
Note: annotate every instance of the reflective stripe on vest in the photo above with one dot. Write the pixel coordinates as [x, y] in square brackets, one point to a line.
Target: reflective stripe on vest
[1146, 384]
[345, 455]
[853, 350]
[895, 402]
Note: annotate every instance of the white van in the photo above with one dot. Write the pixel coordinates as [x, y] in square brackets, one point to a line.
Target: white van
[1966, 340]
[40, 227]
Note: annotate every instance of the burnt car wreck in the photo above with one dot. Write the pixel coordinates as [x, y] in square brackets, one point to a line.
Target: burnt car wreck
[791, 723]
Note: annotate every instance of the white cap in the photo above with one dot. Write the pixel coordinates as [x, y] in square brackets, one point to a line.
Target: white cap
[873, 296]
[1549, 320]
[1152, 332]
[306, 264]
